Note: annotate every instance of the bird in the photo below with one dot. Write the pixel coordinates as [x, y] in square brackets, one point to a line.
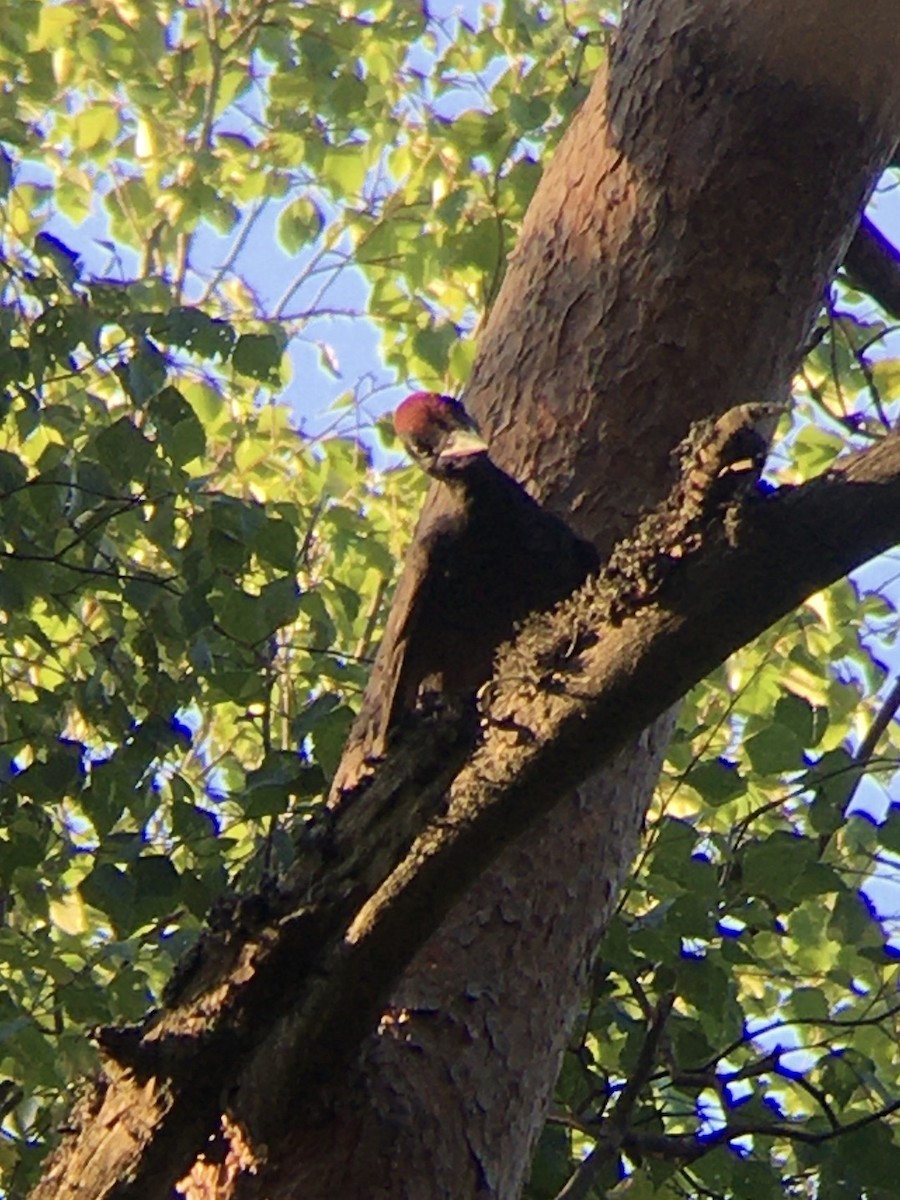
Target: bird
[483, 557]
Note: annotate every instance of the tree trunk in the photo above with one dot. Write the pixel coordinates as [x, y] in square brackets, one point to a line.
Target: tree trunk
[670, 266]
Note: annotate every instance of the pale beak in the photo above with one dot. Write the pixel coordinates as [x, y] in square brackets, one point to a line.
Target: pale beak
[460, 444]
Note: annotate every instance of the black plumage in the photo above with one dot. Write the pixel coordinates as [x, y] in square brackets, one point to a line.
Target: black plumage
[483, 559]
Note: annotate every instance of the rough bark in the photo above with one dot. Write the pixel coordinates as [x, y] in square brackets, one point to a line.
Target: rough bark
[670, 265]
[275, 1001]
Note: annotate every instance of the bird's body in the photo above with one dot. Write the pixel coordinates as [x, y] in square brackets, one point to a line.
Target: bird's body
[482, 559]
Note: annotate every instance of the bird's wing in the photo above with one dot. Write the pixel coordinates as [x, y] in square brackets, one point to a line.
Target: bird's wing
[401, 661]
[483, 556]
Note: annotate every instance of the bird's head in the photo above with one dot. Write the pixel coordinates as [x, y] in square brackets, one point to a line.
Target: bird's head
[438, 434]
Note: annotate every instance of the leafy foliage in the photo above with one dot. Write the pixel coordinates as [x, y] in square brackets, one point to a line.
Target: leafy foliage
[195, 202]
[744, 1010]
[181, 586]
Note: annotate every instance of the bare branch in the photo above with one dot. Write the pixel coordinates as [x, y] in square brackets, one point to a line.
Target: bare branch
[873, 265]
[583, 1178]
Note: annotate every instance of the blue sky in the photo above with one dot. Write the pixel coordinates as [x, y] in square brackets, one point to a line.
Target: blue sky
[337, 353]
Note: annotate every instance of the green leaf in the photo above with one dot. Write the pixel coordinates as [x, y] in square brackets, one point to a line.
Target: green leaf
[772, 866]
[178, 427]
[191, 328]
[13, 472]
[705, 986]
[889, 831]
[433, 346]
[833, 778]
[329, 737]
[313, 713]
[157, 887]
[809, 1003]
[480, 245]
[259, 356]
[99, 123]
[270, 787]
[280, 602]
[124, 451]
[299, 223]
[344, 168]
[529, 113]
[276, 543]
[349, 94]
[552, 1163]
[673, 848]
[145, 373]
[840, 1078]
[774, 750]
[796, 714]
[717, 780]
[112, 891]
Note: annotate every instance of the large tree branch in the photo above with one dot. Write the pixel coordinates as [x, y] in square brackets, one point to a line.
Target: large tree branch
[655, 281]
[873, 264]
[286, 986]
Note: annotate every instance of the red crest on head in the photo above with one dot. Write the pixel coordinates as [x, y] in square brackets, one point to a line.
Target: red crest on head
[418, 412]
